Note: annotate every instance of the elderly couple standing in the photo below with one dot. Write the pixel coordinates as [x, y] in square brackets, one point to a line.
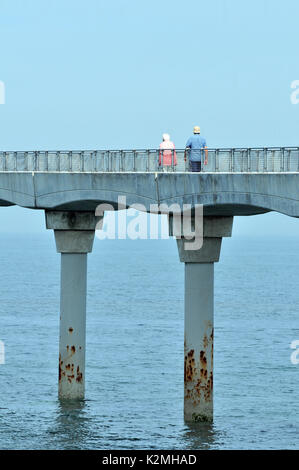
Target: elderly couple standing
[194, 148]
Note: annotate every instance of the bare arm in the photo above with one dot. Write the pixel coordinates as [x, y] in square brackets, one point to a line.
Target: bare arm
[206, 155]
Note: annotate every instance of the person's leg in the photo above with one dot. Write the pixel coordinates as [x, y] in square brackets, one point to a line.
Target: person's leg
[196, 166]
[193, 166]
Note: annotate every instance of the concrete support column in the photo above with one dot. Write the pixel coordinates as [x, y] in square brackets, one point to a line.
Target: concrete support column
[74, 235]
[72, 325]
[198, 341]
[199, 317]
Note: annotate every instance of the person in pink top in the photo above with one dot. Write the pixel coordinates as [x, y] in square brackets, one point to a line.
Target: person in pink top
[167, 154]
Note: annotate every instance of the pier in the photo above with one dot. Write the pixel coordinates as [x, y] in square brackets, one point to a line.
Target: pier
[70, 185]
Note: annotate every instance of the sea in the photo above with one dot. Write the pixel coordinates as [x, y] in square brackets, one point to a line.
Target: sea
[135, 341]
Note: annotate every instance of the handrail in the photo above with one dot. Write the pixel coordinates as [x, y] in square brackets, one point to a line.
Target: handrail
[220, 160]
[144, 149]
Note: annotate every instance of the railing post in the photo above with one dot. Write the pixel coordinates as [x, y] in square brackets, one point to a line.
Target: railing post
[47, 160]
[216, 160]
[265, 159]
[242, 160]
[158, 164]
[57, 161]
[109, 160]
[282, 159]
[26, 160]
[187, 163]
[82, 161]
[147, 160]
[248, 160]
[70, 160]
[95, 160]
[120, 160]
[35, 162]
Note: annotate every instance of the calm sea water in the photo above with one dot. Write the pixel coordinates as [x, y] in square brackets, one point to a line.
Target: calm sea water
[134, 376]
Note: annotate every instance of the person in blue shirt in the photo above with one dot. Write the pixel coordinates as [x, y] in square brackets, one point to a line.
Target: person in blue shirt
[194, 147]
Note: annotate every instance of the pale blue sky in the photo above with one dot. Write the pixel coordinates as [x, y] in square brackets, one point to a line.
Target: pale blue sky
[101, 74]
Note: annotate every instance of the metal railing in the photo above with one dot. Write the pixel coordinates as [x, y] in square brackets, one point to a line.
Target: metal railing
[233, 160]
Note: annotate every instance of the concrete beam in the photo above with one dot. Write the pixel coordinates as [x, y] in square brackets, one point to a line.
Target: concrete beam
[220, 193]
[208, 253]
[72, 220]
[74, 231]
[74, 241]
[212, 226]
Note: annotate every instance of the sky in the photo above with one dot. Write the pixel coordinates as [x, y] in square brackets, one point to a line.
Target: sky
[101, 74]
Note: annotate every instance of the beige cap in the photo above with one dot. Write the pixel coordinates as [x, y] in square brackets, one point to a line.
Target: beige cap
[196, 130]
